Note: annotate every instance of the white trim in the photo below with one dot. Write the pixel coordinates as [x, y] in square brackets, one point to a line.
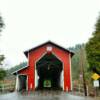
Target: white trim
[49, 48]
[36, 77]
[62, 73]
[41, 57]
[57, 57]
[17, 83]
[70, 70]
[61, 78]
[26, 80]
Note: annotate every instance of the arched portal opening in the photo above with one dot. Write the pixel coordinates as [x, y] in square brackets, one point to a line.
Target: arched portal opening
[49, 69]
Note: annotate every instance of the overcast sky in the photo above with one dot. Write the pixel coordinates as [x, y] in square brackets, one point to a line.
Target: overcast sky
[32, 22]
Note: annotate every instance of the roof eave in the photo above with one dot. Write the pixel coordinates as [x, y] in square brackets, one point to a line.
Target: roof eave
[49, 42]
[18, 70]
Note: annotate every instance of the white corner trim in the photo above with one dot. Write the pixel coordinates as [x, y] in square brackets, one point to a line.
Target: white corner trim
[18, 81]
[62, 73]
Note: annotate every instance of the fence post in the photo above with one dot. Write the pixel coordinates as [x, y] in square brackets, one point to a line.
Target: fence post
[79, 89]
[2, 87]
[87, 90]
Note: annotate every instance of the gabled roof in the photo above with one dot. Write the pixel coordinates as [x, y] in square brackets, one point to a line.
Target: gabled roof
[19, 67]
[48, 43]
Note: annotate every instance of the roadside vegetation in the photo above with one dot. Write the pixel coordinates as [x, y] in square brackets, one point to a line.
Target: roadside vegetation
[2, 71]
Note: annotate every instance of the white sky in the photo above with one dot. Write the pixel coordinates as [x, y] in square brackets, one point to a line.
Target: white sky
[32, 22]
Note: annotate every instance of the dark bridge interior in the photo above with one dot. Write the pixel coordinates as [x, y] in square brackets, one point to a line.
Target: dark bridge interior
[49, 69]
[22, 82]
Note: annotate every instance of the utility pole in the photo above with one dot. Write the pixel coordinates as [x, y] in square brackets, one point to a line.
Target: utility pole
[82, 64]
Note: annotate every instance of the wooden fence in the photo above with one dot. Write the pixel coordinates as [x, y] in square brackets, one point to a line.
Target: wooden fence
[7, 87]
[91, 91]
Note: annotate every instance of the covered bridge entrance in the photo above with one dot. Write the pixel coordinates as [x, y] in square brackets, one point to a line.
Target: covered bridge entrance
[49, 67]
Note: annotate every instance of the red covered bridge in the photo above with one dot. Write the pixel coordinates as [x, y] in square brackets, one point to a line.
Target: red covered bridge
[49, 67]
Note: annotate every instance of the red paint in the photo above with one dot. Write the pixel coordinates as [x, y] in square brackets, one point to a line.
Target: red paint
[36, 54]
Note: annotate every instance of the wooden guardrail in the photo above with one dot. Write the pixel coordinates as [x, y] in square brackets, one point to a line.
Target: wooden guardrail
[7, 87]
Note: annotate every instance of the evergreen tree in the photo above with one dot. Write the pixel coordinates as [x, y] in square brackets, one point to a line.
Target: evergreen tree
[2, 71]
[76, 67]
[75, 61]
[1, 24]
[93, 49]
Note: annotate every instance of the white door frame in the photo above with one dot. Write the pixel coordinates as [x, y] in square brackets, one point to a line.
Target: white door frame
[17, 81]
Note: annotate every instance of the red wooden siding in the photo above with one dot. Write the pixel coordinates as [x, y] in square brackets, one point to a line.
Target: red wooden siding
[36, 54]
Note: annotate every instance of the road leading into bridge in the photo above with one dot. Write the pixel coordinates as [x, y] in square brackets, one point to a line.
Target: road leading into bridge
[43, 96]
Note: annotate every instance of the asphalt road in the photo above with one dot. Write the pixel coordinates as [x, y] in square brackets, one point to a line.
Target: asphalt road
[43, 96]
